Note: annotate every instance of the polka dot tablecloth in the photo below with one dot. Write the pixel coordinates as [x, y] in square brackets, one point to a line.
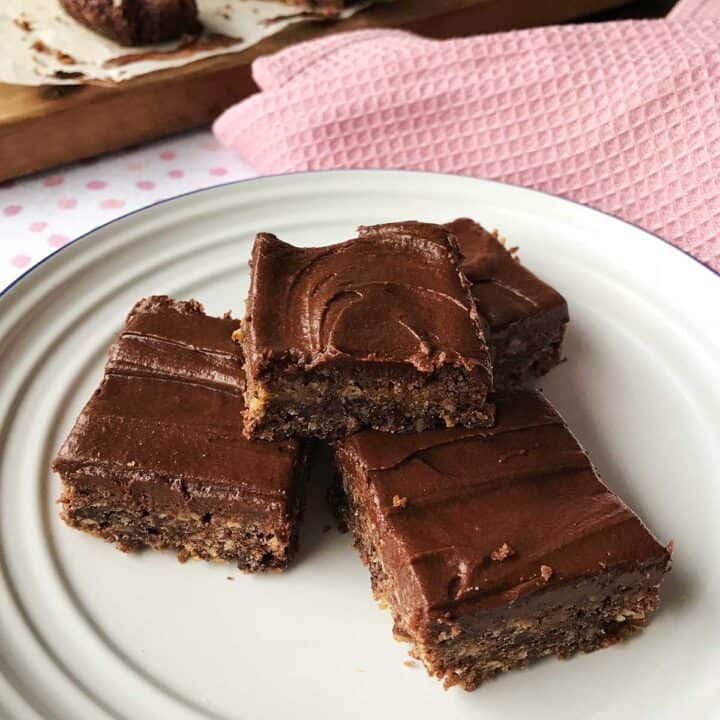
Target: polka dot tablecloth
[42, 213]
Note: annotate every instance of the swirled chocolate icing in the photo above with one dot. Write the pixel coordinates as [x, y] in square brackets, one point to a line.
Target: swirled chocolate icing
[477, 518]
[394, 295]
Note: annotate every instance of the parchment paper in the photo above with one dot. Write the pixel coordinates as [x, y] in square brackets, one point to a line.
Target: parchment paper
[40, 44]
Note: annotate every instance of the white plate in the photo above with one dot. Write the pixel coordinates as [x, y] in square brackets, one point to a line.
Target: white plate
[87, 632]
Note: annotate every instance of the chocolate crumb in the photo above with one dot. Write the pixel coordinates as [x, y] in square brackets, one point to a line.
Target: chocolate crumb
[502, 553]
[546, 572]
[502, 240]
[23, 23]
[399, 502]
[64, 58]
[230, 577]
[409, 663]
[67, 75]
[183, 555]
[40, 46]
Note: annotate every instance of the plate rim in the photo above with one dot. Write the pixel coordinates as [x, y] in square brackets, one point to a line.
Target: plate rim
[5, 292]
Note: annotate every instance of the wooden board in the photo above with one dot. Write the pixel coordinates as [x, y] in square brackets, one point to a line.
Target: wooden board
[54, 125]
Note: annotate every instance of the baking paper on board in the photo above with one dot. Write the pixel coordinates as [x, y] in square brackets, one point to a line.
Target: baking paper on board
[42, 45]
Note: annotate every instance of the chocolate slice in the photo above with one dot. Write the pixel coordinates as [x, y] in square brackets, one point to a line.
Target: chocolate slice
[496, 546]
[136, 22]
[526, 318]
[380, 331]
[157, 457]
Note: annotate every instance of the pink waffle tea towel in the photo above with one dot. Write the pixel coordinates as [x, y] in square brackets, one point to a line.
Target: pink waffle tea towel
[621, 116]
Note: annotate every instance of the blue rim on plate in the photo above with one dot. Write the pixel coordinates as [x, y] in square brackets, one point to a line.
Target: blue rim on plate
[53, 254]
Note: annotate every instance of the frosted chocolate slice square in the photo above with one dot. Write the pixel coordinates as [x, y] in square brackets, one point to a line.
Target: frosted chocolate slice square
[157, 457]
[380, 331]
[526, 318]
[493, 547]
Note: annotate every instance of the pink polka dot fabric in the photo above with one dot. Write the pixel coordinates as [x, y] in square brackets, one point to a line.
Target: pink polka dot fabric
[40, 214]
[622, 116]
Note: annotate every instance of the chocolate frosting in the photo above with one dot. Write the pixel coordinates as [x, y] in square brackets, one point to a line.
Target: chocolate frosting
[175, 340]
[504, 290]
[454, 502]
[166, 419]
[394, 295]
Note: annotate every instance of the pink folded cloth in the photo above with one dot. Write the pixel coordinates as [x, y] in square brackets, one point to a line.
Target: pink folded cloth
[621, 116]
